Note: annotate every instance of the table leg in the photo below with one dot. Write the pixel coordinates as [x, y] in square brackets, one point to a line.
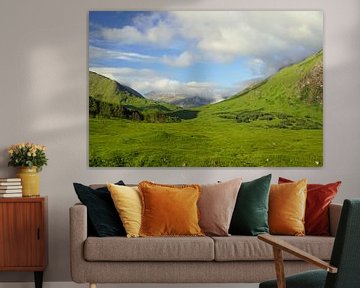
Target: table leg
[38, 279]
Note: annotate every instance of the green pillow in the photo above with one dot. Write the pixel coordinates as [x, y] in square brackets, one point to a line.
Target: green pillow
[250, 216]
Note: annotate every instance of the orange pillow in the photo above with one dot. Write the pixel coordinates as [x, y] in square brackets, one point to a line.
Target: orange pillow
[169, 210]
[287, 203]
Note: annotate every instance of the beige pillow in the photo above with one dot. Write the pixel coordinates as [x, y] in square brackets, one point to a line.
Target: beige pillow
[216, 206]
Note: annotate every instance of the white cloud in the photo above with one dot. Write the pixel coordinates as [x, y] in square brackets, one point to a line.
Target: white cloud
[185, 59]
[127, 34]
[224, 35]
[259, 67]
[100, 53]
[146, 29]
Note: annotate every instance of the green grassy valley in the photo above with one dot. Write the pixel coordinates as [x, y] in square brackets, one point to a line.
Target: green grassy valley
[276, 122]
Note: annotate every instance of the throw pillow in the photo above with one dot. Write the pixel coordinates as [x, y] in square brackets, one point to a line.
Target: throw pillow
[127, 201]
[250, 215]
[216, 206]
[287, 204]
[102, 215]
[169, 210]
[319, 197]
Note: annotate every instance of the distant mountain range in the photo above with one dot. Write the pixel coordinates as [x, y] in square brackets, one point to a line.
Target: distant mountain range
[180, 99]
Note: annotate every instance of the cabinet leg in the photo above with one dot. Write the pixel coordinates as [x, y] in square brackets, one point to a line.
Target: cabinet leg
[38, 279]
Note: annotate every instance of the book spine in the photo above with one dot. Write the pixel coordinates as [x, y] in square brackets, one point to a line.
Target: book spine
[10, 179]
[10, 183]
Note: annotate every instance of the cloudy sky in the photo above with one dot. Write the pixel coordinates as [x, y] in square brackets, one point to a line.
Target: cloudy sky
[214, 53]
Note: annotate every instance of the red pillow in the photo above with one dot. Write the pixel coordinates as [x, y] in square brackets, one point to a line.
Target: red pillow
[319, 197]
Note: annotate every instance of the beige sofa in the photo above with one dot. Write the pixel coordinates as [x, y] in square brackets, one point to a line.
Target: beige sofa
[234, 259]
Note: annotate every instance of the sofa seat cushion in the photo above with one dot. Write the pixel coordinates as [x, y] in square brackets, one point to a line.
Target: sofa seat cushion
[244, 248]
[149, 249]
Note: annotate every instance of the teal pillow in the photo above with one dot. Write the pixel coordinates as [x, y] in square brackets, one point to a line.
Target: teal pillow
[250, 216]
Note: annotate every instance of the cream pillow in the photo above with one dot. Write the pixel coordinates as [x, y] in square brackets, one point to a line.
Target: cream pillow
[127, 201]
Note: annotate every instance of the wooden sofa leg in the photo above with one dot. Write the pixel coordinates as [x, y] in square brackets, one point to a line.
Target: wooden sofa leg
[92, 285]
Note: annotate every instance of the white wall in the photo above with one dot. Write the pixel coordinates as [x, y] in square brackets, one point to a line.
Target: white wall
[43, 90]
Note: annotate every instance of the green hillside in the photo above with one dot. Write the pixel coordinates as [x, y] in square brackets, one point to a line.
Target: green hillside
[275, 123]
[291, 96]
[106, 90]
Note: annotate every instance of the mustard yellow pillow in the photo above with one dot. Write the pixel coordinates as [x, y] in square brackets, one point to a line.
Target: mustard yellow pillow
[127, 201]
[287, 204]
[169, 210]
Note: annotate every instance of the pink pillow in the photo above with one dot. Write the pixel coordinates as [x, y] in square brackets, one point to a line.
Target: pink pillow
[216, 206]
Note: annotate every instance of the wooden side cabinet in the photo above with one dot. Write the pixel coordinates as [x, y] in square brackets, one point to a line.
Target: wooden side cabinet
[23, 235]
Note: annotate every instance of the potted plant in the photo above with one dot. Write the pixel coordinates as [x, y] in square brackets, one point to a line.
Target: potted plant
[30, 158]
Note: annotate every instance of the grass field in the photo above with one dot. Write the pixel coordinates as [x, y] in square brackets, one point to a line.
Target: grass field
[118, 143]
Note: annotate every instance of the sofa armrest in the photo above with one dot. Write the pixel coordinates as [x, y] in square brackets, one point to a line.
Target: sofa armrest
[334, 216]
[78, 235]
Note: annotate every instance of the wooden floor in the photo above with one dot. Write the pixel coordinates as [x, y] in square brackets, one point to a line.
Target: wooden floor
[74, 285]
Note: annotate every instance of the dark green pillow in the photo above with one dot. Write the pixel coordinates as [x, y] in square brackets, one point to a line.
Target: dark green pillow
[250, 216]
[102, 215]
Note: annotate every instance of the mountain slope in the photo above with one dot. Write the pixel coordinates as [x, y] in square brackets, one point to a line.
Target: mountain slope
[106, 90]
[294, 92]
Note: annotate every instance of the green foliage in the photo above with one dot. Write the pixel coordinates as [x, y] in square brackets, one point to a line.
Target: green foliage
[285, 121]
[27, 155]
[107, 110]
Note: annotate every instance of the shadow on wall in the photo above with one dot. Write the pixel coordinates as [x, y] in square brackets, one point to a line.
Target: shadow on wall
[45, 62]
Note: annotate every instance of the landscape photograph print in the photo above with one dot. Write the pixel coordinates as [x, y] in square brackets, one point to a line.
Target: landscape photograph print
[205, 88]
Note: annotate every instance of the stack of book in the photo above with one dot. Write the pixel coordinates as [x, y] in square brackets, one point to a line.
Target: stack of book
[10, 187]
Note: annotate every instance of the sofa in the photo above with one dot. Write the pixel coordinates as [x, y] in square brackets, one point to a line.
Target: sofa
[233, 259]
